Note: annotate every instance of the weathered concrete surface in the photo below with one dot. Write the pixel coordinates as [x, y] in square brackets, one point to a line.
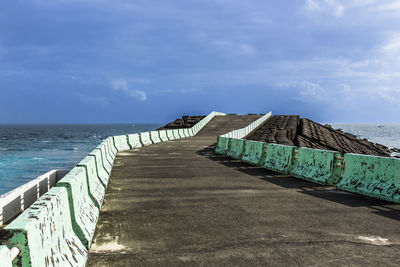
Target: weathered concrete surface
[180, 204]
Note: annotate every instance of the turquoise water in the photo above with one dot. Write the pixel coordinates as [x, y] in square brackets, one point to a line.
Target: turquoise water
[27, 151]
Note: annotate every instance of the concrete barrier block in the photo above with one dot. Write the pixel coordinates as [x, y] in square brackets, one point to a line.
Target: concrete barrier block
[190, 132]
[96, 186]
[373, 176]
[121, 142]
[11, 208]
[14, 202]
[5, 257]
[110, 156]
[195, 130]
[317, 166]
[102, 172]
[255, 152]
[106, 160]
[134, 140]
[163, 135]
[30, 195]
[186, 132]
[176, 133]
[182, 133]
[170, 134]
[236, 148]
[44, 233]
[145, 138]
[222, 145]
[54, 178]
[84, 208]
[111, 144]
[279, 158]
[155, 137]
[44, 185]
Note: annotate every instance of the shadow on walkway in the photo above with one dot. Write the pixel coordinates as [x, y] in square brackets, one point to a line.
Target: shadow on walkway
[379, 207]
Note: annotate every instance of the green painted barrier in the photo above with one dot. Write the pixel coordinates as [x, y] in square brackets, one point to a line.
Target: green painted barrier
[182, 133]
[96, 185]
[236, 148]
[112, 146]
[155, 137]
[44, 233]
[84, 208]
[102, 172]
[134, 140]
[163, 135]
[145, 138]
[5, 257]
[170, 134]
[106, 160]
[110, 154]
[110, 158]
[187, 132]
[191, 131]
[254, 152]
[176, 133]
[222, 145]
[121, 142]
[109, 146]
[373, 176]
[318, 166]
[279, 158]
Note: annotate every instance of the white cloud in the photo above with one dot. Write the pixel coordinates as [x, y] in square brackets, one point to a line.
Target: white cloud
[312, 4]
[307, 91]
[392, 6]
[392, 46]
[122, 85]
[332, 7]
[311, 91]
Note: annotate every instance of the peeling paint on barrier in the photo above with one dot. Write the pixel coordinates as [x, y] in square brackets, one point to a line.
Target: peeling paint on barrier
[255, 152]
[279, 158]
[102, 171]
[44, 234]
[222, 145]
[145, 138]
[317, 166]
[5, 257]
[83, 206]
[373, 176]
[154, 137]
[236, 148]
[96, 186]
[134, 140]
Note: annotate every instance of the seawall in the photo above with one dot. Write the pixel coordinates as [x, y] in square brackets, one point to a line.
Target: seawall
[166, 198]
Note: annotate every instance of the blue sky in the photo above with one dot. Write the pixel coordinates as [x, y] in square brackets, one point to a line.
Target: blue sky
[96, 61]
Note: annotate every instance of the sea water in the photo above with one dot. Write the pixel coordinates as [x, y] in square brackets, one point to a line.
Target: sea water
[27, 151]
[386, 134]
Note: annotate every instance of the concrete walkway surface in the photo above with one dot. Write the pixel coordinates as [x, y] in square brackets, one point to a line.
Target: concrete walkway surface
[178, 203]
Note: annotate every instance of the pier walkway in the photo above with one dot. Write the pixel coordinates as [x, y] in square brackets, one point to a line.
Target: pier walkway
[178, 203]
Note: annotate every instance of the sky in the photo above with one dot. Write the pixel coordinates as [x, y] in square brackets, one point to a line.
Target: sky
[151, 61]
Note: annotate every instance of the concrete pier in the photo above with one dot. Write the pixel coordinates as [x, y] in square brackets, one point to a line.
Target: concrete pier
[178, 203]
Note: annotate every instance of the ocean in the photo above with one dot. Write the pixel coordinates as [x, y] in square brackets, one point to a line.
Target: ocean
[27, 151]
[388, 135]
